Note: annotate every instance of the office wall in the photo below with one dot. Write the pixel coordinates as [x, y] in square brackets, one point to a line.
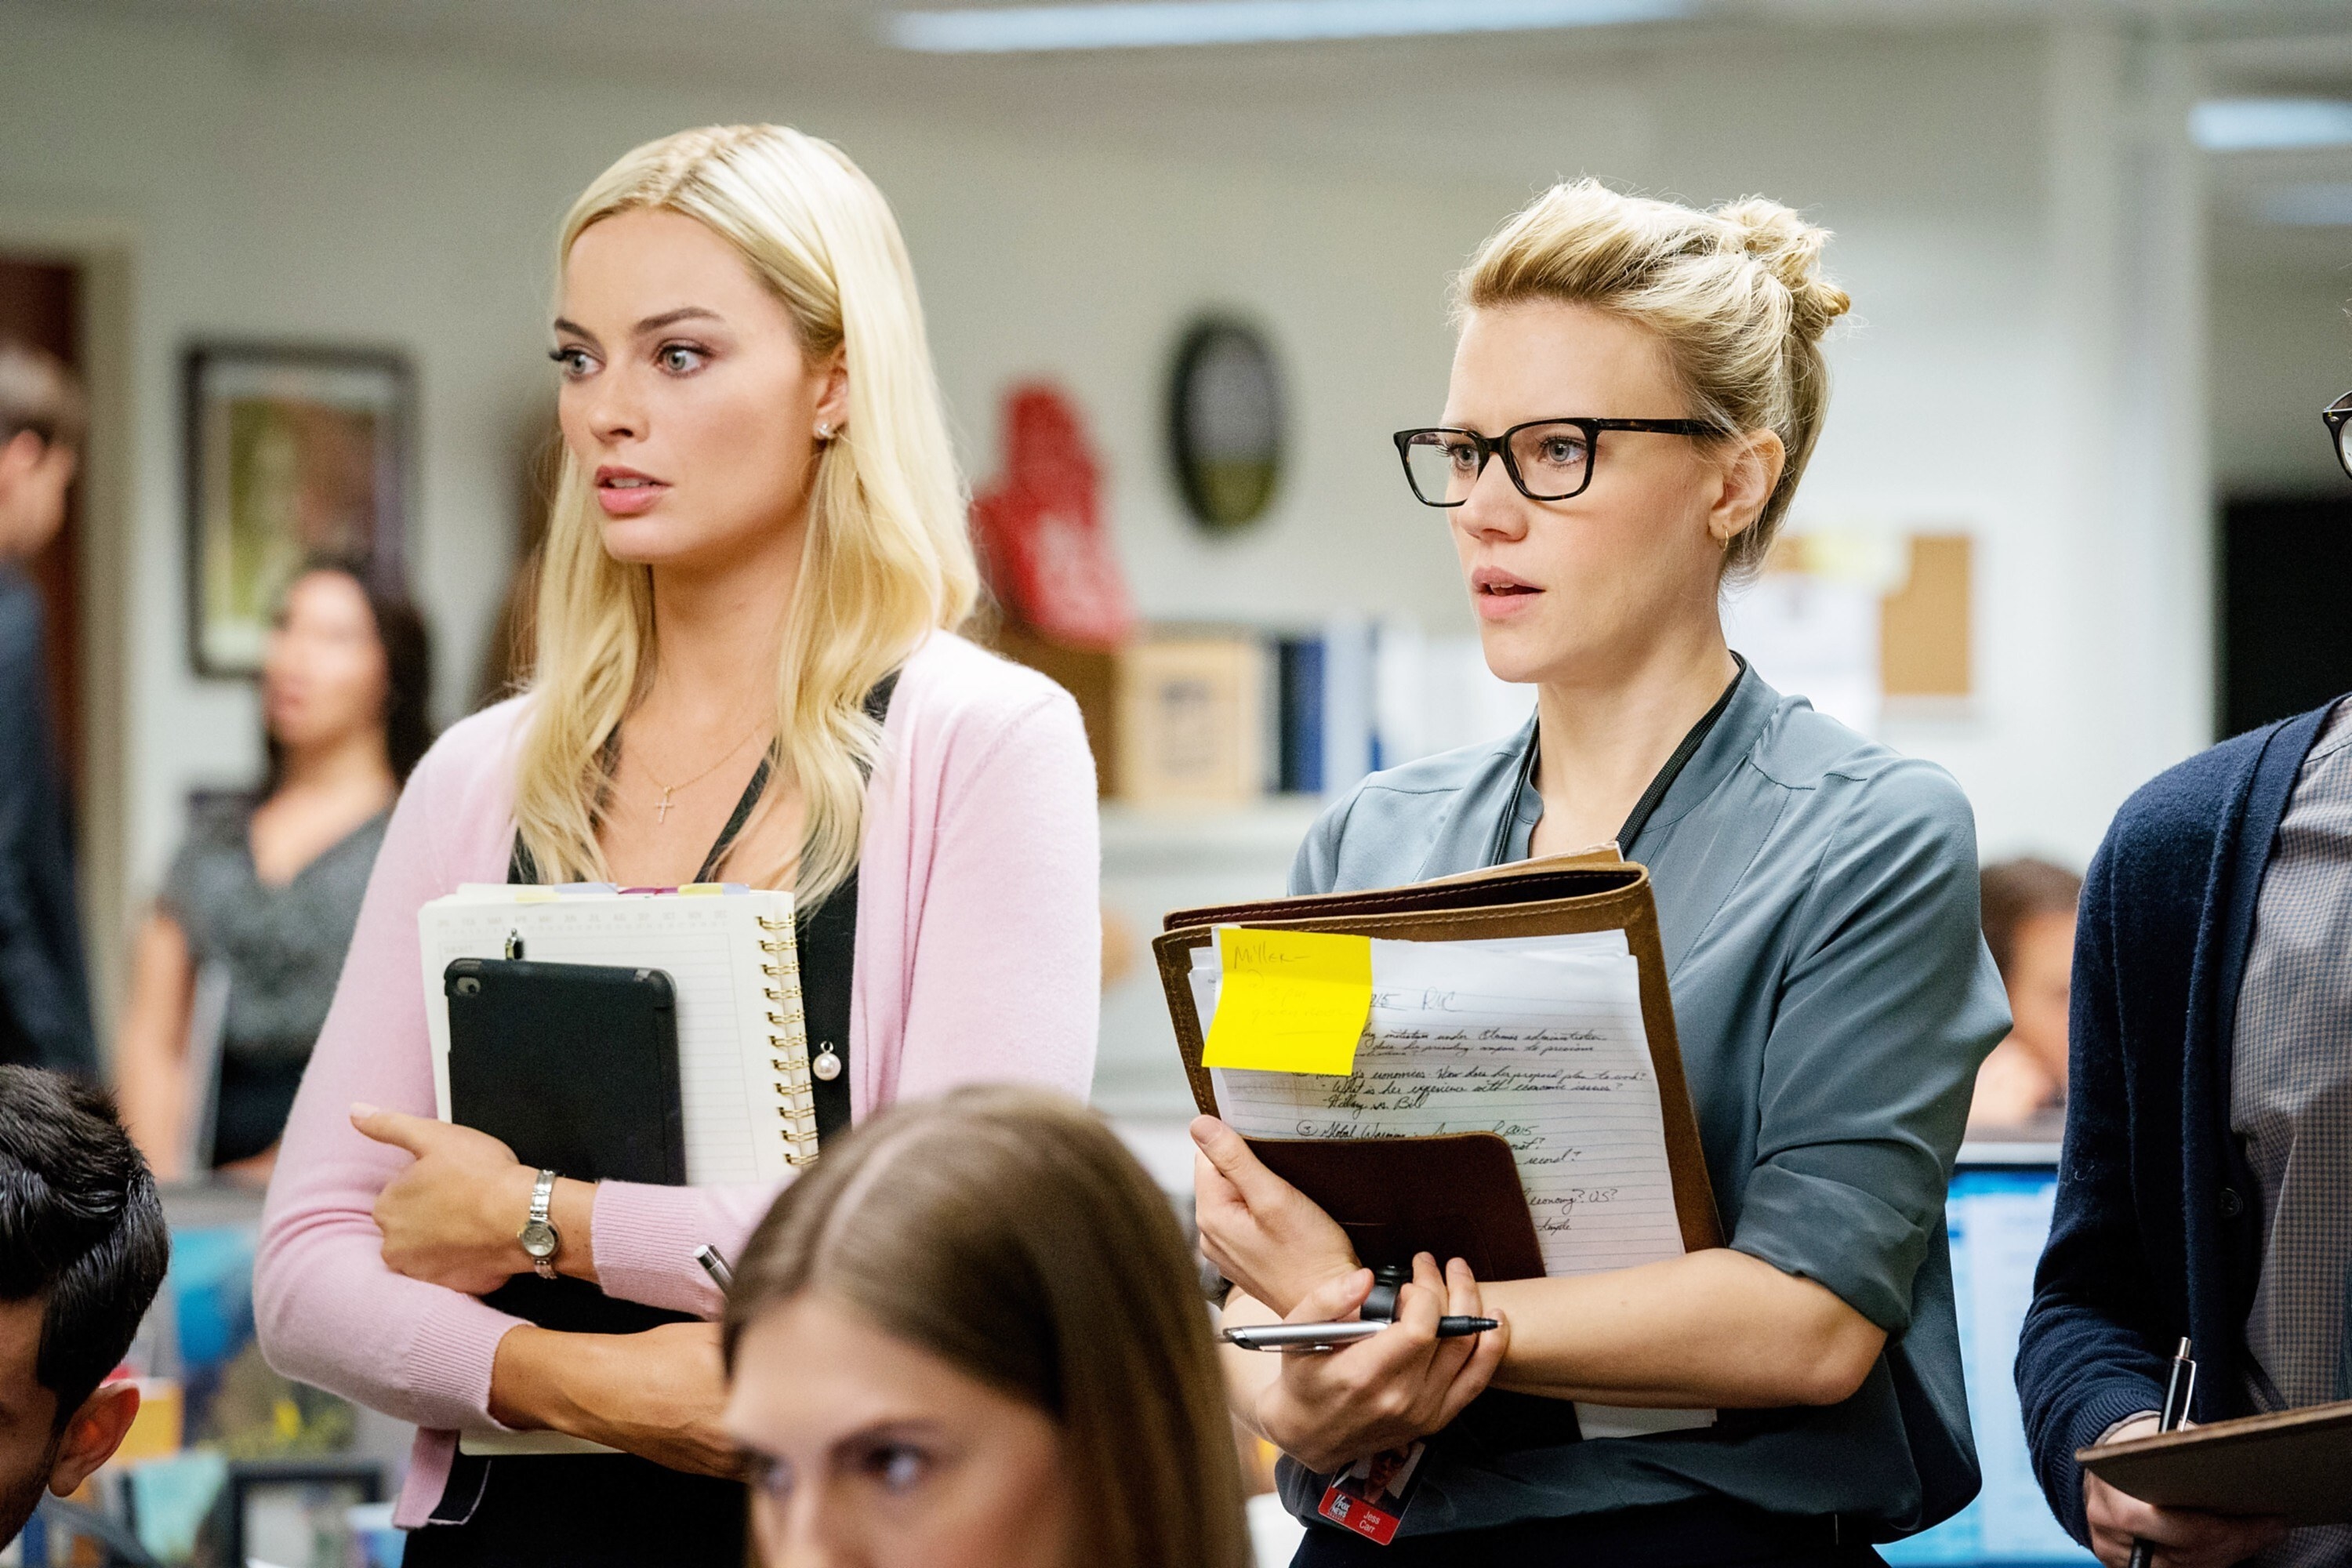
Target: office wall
[298, 191]
[2281, 352]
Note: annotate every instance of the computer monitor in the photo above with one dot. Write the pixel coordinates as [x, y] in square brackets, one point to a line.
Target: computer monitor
[1998, 1217]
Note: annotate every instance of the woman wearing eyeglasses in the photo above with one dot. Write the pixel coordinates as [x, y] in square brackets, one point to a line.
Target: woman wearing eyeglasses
[1635, 393]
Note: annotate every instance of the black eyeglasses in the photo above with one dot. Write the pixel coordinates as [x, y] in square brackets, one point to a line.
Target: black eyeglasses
[2338, 414]
[1548, 459]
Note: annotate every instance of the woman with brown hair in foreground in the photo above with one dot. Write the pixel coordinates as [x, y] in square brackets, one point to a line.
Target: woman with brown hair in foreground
[1017, 1365]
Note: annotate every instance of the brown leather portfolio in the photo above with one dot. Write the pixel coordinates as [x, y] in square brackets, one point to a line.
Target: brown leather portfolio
[1457, 1195]
[1453, 1197]
[2296, 1464]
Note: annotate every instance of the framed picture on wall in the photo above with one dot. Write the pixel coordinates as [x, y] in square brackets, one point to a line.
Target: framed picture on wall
[292, 453]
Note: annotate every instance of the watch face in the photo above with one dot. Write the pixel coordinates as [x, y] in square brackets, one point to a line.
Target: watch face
[539, 1239]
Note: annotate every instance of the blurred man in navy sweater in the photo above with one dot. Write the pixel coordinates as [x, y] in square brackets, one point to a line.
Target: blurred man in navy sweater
[2206, 1188]
[45, 1017]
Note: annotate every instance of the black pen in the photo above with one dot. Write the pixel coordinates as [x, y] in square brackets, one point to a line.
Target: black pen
[1308, 1338]
[2179, 1386]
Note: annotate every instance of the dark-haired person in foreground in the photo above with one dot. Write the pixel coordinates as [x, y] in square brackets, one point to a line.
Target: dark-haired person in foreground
[2206, 1187]
[82, 1251]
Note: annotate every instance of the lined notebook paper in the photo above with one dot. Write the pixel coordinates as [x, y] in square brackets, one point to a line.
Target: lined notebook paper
[1538, 1040]
[742, 1043]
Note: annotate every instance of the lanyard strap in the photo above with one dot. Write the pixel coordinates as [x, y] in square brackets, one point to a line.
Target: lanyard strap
[1651, 797]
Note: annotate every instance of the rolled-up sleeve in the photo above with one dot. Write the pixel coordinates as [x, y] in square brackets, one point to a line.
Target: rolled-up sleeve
[1886, 1008]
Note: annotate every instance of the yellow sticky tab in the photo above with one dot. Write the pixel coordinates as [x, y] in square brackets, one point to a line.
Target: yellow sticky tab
[1291, 1001]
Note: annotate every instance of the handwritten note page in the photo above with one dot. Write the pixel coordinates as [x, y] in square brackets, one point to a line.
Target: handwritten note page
[1538, 1040]
[724, 1081]
[1547, 1050]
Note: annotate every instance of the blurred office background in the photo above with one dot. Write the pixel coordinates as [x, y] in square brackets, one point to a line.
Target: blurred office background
[2075, 515]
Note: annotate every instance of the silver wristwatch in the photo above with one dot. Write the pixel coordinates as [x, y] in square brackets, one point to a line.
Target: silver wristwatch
[538, 1236]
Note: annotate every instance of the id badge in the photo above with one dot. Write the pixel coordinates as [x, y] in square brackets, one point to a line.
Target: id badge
[1370, 1496]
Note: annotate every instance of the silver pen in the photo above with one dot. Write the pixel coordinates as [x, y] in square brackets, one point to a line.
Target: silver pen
[1304, 1339]
[715, 1266]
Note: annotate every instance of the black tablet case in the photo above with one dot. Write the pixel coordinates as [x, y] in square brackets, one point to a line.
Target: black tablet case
[574, 1067]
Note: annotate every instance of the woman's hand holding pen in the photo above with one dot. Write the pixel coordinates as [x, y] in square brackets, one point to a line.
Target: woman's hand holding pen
[454, 1217]
[1260, 1232]
[2183, 1538]
[658, 1394]
[1327, 1411]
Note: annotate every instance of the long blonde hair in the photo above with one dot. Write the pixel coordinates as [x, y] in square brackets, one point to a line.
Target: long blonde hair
[1008, 1232]
[1736, 295]
[888, 557]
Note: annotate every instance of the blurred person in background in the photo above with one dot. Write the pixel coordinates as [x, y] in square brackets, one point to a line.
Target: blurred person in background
[744, 669]
[1019, 1369]
[45, 1016]
[2028, 925]
[1636, 391]
[266, 889]
[2207, 1174]
[82, 1253]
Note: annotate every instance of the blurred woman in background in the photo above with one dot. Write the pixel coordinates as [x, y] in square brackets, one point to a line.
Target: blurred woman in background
[2029, 924]
[1018, 1369]
[264, 894]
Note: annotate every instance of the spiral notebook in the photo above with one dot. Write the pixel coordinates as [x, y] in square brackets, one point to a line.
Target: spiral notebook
[742, 1043]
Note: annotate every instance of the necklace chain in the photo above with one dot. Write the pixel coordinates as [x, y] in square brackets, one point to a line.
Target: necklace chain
[662, 806]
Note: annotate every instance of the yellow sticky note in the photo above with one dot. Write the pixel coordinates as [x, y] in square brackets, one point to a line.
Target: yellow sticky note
[1292, 1001]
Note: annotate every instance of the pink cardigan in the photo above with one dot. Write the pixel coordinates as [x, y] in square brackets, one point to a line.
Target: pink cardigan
[978, 957]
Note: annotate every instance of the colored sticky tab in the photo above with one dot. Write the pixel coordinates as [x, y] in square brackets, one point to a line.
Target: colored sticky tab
[1291, 1001]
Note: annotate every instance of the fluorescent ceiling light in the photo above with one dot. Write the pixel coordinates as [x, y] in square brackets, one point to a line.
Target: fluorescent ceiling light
[2309, 207]
[1152, 23]
[2270, 124]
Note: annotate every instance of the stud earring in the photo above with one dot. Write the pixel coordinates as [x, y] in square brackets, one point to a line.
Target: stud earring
[824, 431]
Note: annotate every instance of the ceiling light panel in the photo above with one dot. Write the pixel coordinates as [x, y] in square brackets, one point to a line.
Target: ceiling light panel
[2270, 124]
[1164, 24]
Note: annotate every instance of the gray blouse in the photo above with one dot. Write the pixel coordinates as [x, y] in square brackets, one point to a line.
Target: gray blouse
[1817, 900]
[283, 947]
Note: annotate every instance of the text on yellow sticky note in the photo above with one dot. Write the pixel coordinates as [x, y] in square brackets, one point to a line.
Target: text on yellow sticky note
[1291, 1001]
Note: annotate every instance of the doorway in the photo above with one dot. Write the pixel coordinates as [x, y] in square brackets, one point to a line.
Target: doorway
[2286, 634]
[40, 304]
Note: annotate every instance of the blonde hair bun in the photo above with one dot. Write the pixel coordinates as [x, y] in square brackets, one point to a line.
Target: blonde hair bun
[1790, 250]
[1736, 296]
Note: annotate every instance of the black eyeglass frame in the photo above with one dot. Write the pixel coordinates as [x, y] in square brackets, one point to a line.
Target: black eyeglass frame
[1491, 447]
[2335, 415]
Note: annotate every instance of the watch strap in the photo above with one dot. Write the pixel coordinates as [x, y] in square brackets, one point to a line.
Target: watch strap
[542, 1193]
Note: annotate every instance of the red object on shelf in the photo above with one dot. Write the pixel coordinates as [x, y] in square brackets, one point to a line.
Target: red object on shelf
[1039, 527]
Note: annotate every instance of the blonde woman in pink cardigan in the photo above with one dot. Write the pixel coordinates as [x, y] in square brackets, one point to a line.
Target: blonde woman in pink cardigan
[758, 546]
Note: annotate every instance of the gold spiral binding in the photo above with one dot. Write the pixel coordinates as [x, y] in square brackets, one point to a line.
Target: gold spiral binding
[788, 1042]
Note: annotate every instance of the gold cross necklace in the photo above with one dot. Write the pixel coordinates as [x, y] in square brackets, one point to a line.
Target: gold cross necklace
[661, 807]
